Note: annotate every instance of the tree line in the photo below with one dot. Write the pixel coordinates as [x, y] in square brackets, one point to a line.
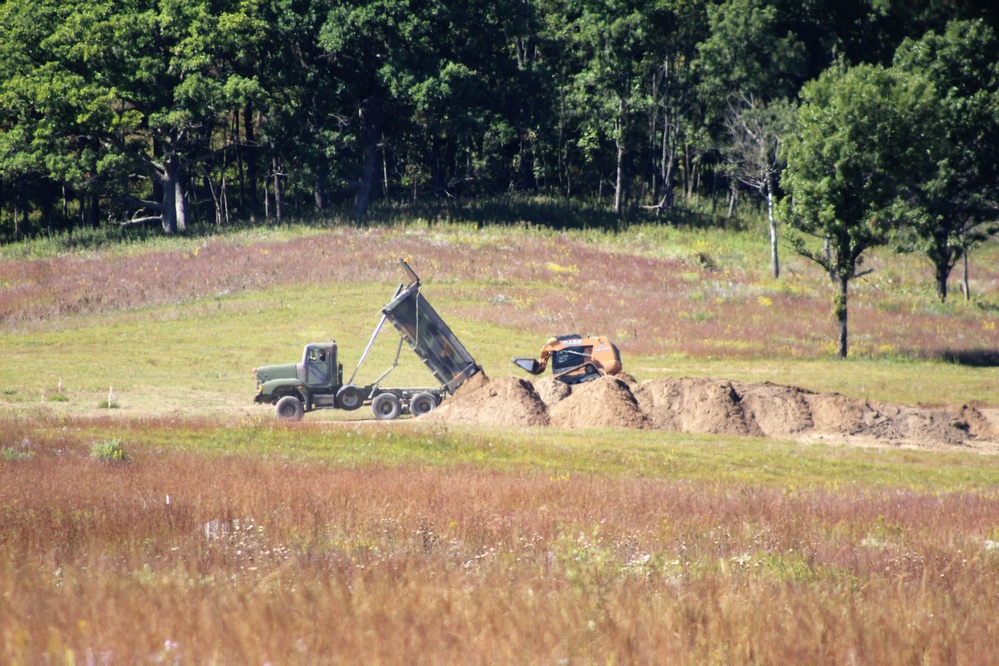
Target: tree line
[858, 122]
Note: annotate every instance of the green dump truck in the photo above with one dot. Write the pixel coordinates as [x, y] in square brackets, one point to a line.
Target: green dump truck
[317, 381]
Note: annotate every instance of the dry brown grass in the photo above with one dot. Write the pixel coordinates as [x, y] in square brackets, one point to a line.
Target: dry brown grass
[253, 560]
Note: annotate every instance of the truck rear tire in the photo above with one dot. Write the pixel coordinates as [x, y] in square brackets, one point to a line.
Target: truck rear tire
[289, 408]
[350, 397]
[386, 407]
[422, 403]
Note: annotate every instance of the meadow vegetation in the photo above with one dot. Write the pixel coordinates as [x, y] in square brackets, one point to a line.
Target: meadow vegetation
[239, 539]
[365, 543]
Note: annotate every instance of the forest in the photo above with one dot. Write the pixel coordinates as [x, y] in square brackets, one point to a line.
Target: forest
[211, 112]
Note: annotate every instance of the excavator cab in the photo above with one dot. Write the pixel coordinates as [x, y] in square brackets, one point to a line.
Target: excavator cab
[574, 364]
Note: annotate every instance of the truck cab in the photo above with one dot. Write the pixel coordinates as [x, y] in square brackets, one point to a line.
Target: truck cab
[313, 381]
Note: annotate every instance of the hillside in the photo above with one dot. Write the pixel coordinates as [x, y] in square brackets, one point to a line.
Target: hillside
[178, 327]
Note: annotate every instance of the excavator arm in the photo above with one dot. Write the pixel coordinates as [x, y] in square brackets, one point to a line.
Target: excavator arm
[536, 366]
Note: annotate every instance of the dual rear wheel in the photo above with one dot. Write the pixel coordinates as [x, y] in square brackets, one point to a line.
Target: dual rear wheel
[386, 406]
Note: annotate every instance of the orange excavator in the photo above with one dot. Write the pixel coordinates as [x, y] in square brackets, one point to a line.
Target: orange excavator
[575, 359]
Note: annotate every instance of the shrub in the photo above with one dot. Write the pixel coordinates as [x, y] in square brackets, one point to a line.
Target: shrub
[12, 455]
[110, 450]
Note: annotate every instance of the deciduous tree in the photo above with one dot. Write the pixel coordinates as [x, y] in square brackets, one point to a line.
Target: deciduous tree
[857, 135]
[953, 203]
[753, 155]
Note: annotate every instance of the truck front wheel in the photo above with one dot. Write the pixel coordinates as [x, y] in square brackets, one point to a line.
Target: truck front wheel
[289, 408]
[386, 407]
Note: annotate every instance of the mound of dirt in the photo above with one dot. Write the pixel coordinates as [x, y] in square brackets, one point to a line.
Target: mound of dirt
[777, 411]
[602, 403]
[507, 401]
[834, 413]
[903, 423]
[551, 390]
[695, 405]
[713, 406]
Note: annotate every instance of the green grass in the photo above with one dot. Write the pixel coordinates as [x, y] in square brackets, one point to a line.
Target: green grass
[197, 357]
[714, 460]
[11, 454]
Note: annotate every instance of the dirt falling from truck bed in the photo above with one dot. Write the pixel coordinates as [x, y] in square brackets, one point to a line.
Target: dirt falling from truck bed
[714, 406]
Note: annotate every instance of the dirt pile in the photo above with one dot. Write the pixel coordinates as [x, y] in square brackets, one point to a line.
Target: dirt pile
[602, 403]
[507, 401]
[714, 406]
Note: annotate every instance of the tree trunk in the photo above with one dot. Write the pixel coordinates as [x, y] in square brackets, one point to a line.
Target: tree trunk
[169, 212]
[385, 177]
[320, 191]
[278, 199]
[174, 202]
[370, 133]
[240, 173]
[158, 158]
[180, 200]
[774, 258]
[95, 211]
[619, 180]
[942, 273]
[250, 159]
[965, 287]
[668, 166]
[839, 310]
[20, 228]
[267, 202]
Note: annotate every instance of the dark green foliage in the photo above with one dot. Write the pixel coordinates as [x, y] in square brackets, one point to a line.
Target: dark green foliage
[214, 112]
[952, 204]
[858, 142]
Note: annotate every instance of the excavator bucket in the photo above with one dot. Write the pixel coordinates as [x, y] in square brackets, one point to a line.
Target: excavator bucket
[531, 365]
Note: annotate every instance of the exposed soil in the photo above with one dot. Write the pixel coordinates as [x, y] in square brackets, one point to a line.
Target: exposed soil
[721, 407]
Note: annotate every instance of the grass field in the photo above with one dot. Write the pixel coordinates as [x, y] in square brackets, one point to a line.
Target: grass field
[237, 539]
